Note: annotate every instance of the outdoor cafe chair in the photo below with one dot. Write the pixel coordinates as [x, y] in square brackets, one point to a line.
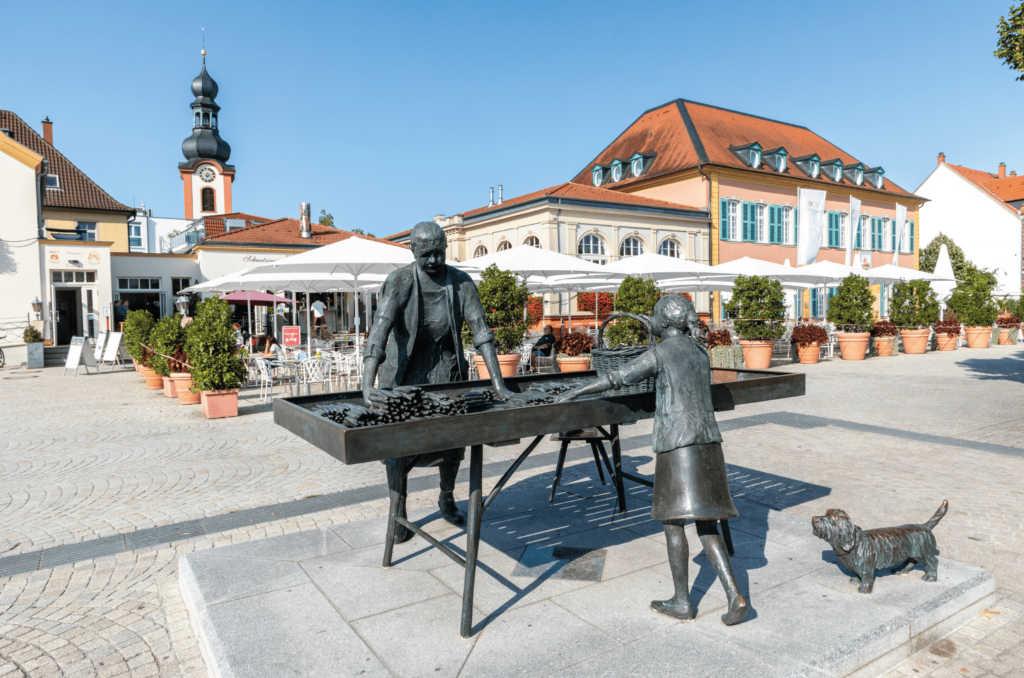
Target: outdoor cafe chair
[315, 371]
[346, 366]
[267, 380]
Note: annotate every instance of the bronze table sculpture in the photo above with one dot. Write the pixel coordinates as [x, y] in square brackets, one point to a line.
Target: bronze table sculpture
[690, 481]
[416, 339]
[864, 551]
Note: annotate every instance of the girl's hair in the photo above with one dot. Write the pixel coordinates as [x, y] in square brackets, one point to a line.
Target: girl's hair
[237, 326]
[678, 312]
[271, 341]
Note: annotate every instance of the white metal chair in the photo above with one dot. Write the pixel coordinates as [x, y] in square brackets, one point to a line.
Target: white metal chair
[346, 367]
[470, 364]
[315, 371]
[526, 352]
[266, 380]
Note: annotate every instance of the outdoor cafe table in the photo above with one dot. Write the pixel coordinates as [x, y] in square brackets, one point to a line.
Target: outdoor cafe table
[498, 428]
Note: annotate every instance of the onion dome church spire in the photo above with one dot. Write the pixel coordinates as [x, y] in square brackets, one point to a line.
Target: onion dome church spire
[205, 141]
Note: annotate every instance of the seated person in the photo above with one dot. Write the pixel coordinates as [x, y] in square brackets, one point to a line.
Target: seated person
[272, 348]
[542, 348]
[241, 338]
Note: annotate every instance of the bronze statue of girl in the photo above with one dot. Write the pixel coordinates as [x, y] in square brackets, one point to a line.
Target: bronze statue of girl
[690, 481]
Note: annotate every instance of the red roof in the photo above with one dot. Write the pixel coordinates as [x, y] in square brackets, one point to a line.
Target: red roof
[215, 225]
[684, 134]
[1003, 190]
[577, 192]
[286, 232]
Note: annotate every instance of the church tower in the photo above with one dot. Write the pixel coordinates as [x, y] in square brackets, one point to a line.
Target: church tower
[205, 174]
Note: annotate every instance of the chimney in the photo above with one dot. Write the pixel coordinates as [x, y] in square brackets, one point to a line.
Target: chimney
[1002, 170]
[942, 157]
[499, 195]
[1013, 173]
[490, 202]
[304, 231]
[48, 130]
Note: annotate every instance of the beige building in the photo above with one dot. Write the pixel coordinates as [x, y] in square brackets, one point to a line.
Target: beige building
[593, 223]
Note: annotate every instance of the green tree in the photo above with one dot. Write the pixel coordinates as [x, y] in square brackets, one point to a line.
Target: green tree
[504, 296]
[913, 305]
[326, 218]
[929, 255]
[210, 346]
[973, 304]
[167, 337]
[759, 306]
[1010, 47]
[637, 296]
[851, 306]
[137, 327]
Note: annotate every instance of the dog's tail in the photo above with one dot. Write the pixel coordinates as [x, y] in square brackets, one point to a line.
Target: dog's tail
[934, 520]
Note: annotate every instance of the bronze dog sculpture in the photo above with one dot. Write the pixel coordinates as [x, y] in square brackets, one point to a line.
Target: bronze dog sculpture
[864, 551]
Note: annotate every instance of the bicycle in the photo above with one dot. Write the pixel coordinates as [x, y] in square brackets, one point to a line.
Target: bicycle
[3, 360]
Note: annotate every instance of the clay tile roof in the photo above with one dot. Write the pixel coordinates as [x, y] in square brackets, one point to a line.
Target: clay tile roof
[286, 232]
[77, 190]
[1003, 190]
[684, 134]
[1008, 189]
[215, 225]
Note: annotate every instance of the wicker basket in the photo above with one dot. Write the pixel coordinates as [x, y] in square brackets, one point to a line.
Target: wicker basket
[604, 360]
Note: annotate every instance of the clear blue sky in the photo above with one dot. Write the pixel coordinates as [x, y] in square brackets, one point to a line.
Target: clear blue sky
[386, 114]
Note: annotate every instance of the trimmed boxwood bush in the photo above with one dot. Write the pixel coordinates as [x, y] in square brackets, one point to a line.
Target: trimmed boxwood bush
[913, 305]
[137, 328]
[973, 304]
[759, 308]
[850, 309]
[210, 346]
[167, 339]
[637, 296]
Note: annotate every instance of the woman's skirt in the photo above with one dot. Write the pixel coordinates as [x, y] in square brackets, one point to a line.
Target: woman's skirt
[691, 483]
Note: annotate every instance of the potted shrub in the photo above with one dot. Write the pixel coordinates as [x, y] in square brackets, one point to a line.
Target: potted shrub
[637, 296]
[34, 355]
[503, 296]
[946, 332]
[809, 339]
[1008, 326]
[974, 306]
[914, 310]
[181, 375]
[850, 309]
[573, 352]
[883, 333]
[167, 337]
[137, 327]
[217, 371]
[723, 354]
[759, 308]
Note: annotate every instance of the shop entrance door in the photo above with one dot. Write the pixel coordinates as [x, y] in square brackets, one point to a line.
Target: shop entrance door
[67, 308]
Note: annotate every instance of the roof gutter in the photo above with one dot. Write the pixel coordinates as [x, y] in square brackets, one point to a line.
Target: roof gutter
[40, 189]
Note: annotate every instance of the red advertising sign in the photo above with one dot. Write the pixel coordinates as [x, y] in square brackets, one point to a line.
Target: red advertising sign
[292, 335]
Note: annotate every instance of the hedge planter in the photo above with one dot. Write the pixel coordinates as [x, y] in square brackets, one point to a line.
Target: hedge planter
[220, 404]
[915, 341]
[884, 346]
[757, 353]
[946, 342]
[182, 384]
[35, 357]
[1004, 338]
[853, 345]
[507, 362]
[170, 388]
[577, 364]
[154, 382]
[808, 353]
[978, 337]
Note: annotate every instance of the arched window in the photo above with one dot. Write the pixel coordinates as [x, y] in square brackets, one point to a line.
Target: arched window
[631, 247]
[591, 248]
[196, 123]
[206, 118]
[504, 245]
[532, 241]
[479, 251]
[669, 248]
[209, 200]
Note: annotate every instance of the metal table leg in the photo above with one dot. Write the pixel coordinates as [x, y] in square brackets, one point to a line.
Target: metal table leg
[620, 488]
[476, 463]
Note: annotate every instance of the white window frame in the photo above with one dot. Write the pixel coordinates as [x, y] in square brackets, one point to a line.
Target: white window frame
[598, 176]
[617, 173]
[755, 158]
[887, 225]
[815, 168]
[844, 221]
[782, 163]
[865, 232]
[672, 248]
[634, 240]
[761, 222]
[480, 251]
[733, 219]
[532, 241]
[787, 225]
[905, 238]
[587, 243]
[56, 186]
[637, 166]
[504, 245]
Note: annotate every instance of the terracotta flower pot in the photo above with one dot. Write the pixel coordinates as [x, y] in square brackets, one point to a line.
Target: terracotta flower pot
[853, 345]
[808, 353]
[915, 341]
[1004, 337]
[182, 384]
[219, 404]
[884, 346]
[170, 388]
[136, 363]
[978, 337]
[577, 364]
[154, 381]
[946, 343]
[508, 362]
[757, 353]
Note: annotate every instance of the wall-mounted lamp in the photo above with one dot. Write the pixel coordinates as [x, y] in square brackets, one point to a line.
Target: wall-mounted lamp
[37, 307]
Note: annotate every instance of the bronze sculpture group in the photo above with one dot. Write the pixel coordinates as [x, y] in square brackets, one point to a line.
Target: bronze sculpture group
[416, 339]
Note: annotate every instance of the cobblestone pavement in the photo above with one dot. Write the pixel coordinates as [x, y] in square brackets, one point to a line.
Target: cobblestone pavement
[93, 456]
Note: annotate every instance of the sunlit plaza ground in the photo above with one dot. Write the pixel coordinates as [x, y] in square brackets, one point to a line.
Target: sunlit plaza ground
[135, 481]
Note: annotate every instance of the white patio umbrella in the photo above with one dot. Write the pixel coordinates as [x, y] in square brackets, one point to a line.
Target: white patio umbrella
[944, 288]
[570, 285]
[747, 266]
[529, 261]
[890, 273]
[653, 266]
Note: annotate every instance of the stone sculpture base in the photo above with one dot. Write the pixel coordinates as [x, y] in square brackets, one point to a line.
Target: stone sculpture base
[563, 589]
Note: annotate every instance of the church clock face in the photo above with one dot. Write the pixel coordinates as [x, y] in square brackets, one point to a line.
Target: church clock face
[207, 174]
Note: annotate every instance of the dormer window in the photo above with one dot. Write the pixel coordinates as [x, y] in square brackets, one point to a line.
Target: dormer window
[832, 169]
[749, 154]
[809, 165]
[875, 177]
[775, 158]
[598, 174]
[617, 170]
[637, 164]
[854, 173]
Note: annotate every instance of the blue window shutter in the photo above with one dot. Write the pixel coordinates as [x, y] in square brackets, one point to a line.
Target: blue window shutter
[910, 240]
[796, 233]
[773, 213]
[814, 303]
[748, 208]
[833, 229]
[723, 220]
[881, 299]
[892, 232]
[798, 303]
[874, 233]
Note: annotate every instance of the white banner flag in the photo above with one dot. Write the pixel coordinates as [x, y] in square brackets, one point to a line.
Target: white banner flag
[811, 224]
[901, 223]
[853, 230]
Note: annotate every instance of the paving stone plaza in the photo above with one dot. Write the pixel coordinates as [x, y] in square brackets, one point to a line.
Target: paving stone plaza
[106, 485]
